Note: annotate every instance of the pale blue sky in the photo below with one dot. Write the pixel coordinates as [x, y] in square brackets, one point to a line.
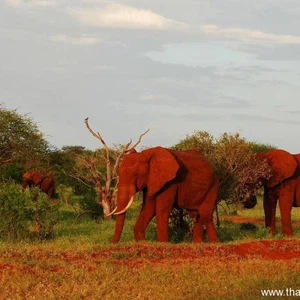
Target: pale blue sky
[171, 66]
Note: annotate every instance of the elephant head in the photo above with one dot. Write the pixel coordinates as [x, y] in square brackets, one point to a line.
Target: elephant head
[45, 183]
[30, 178]
[283, 166]
[148, 170]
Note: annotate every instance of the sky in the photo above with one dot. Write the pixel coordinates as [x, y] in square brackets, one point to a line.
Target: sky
[172, 66]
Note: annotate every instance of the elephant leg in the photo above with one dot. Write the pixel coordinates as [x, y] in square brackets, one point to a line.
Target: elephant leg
[206, 211]
[286, 198]
[198, 236]
[197, 227]
[164, 204]
[270, 203]
[146, 215]
[50, 192]
[211, 231]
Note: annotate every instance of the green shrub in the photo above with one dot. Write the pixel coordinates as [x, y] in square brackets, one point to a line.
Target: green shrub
[14, 213]
[89, 203]
[180, 226]
[248, 226]
[45, 214]
[12, 171]
[26, 215]
[67, 197]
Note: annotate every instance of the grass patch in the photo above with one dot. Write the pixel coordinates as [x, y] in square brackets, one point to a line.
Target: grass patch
[127, 271]
[79, 262]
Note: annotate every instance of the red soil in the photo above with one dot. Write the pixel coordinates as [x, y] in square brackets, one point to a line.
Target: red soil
[237, 219]
[160, 254]
[143, 253]
[264, 249]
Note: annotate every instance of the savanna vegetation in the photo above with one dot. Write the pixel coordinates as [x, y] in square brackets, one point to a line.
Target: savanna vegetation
[61, 249]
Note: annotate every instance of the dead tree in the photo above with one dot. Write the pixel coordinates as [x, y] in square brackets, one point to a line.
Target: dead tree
[106, 183]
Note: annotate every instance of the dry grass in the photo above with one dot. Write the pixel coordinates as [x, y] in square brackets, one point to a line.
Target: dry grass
[79, 263]
[145, 271]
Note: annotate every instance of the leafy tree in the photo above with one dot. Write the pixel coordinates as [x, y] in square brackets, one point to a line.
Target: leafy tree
[63, 163]
[12, 171]
[259, 147]
[235, 165]
[199, 140]
[232, 157]
[20, 139]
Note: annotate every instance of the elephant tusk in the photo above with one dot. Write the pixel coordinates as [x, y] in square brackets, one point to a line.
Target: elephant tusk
[112, 212]
[125, 209]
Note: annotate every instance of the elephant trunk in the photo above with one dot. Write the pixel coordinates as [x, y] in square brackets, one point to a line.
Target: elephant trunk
[119, 228]
[125, 197]
[250, 202]
[26, 178]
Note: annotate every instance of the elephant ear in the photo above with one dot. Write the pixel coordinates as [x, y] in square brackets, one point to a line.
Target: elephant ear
[283, 166]
[163, 168]
[36, 178]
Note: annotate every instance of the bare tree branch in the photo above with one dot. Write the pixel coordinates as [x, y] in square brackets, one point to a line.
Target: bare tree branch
[117, 162]
[77, 178]
[139, 140]
[108, 163]
[107, 192]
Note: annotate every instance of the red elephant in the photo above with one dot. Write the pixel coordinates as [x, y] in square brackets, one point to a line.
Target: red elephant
[283, 186]
[44, 182]
[168, 179]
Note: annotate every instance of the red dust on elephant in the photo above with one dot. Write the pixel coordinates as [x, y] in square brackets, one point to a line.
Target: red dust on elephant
[44, 182]
[168, 179]
[283, 187]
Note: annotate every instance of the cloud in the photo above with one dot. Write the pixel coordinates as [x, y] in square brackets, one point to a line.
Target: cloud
[280, 53]
[31, 3]
[250, 36]
[122, 16]
[77, 41]
[157, 98]
[259, 118]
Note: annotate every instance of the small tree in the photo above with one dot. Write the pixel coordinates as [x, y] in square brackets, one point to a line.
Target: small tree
[199, 140]
[235, 165]
[102, 169]
[20, 139]
[232, 158]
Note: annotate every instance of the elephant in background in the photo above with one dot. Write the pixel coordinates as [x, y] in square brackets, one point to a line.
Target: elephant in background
[283, 186]
[168, 179]
[46, 183]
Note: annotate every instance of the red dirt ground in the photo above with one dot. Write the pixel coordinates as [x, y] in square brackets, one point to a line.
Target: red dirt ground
[237, 219]
[142, 253]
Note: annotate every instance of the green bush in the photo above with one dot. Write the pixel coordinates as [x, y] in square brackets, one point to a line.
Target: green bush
[12, 171]
[89, 203]
[180, 226]
[26, 215]
[248, 226]
[45, 214]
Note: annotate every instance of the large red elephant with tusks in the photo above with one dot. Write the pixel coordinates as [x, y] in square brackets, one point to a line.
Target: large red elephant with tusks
[168, 179]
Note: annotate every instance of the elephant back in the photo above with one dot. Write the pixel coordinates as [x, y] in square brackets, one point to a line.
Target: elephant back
[283, 164]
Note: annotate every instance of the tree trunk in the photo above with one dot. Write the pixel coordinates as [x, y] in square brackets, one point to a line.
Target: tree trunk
[106, 205]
